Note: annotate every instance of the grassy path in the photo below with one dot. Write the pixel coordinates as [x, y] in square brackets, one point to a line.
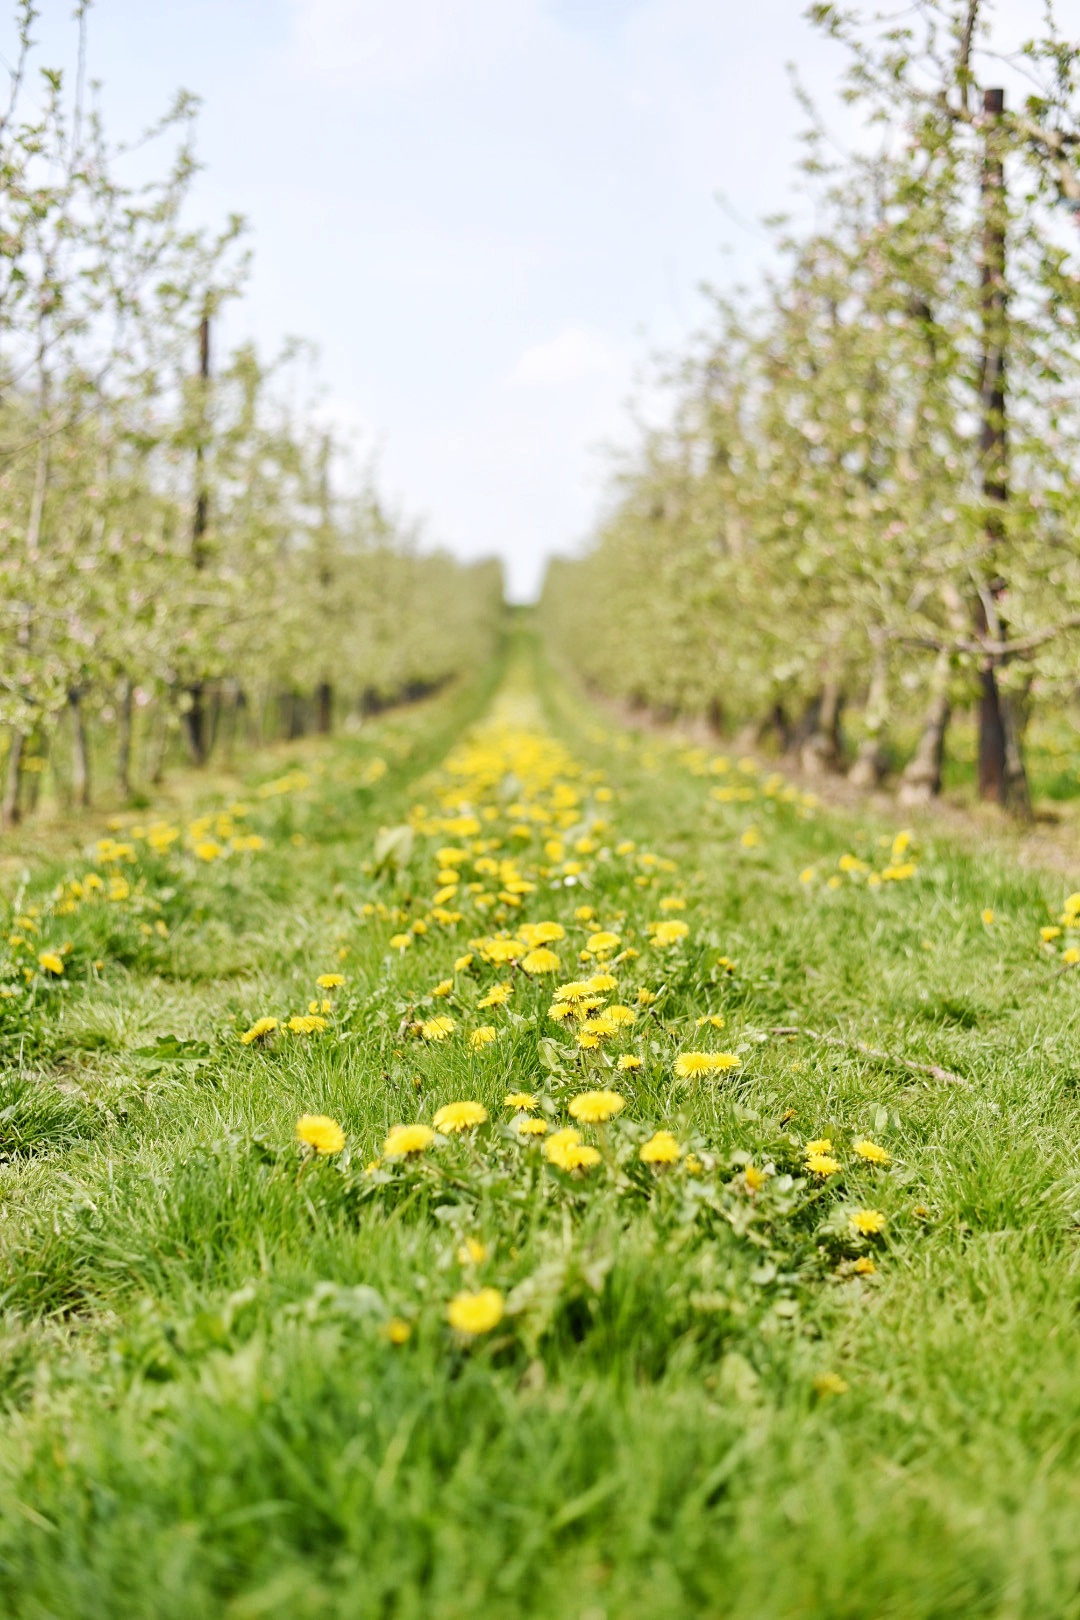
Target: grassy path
[712, 1318]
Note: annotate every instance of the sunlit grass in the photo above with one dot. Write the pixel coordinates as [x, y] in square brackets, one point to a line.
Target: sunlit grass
[235, 1382]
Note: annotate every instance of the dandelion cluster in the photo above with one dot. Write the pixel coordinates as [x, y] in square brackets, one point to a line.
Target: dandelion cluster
[525, 926]
[550, 1000]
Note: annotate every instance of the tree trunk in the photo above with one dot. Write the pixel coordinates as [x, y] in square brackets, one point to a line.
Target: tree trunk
[213, 718]
[10, 810]
[33, 786]
[126, 711]
[869, 766]
[324, 708]
[195, 724]
[822, 751]
[775, 721]
[262, 716]
[233, 704]
[1002, 778]
[292, 715]
[158, 745]
[921, 780]
[1017, 791]
[80, 752]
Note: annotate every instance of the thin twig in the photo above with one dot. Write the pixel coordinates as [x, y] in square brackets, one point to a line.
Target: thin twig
[934, 1070]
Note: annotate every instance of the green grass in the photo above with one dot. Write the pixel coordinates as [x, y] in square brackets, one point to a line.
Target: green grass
[204, 1412]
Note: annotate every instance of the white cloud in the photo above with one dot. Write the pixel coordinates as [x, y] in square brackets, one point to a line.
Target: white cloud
[574, 354]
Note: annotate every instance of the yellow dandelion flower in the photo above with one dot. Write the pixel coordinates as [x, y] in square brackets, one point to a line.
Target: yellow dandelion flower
[50, 962]
[472, 1252]
[320, 1132]
[404, 1140]
[629, 1061]
[601, 983]
[820, 1144]
[602, 942]
[821, 1164]
[867, 1222]
[261, 1027]
[459, 1116]
[578, 990]
[897, 873]
[716, 1020]
[584, 914]
[596, 1107]
[437, 1029]
[645, 998]
[306, 1024]
[668, 933]
[987, 916]
[692, 1064]
[498, 997]
[483, 1036]
[400, 942]
[566, 1151]
[476, 1313]
[755, 1179]
[567, 1136]
[520, 1099]
[462, 963]
[693, 1165]
[689, 1065]
[830, 1383]
[541, 961]
[398, 1331]
[864, 1266]
[807, 875]
[1071, 956]
[530, 1127]
[872, 1153]
[544, 933]
[330, 981]
[1049, 933]
[660, 1149]
[443, 988]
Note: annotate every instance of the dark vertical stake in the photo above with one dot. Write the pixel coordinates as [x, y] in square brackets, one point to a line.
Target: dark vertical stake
[324, 692]
[202, 500]
[1001, 771]
[196, 714]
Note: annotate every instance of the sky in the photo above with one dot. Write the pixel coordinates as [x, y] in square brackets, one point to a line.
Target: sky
[490, 216]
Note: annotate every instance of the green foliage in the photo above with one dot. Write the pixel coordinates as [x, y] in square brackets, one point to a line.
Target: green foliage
[825, 516]
[182, 546]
